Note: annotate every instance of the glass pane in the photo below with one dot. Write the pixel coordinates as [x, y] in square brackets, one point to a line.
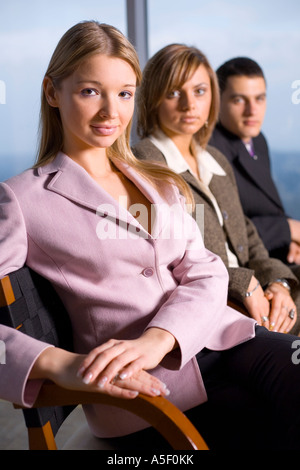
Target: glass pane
[29, 33]
[267, 31]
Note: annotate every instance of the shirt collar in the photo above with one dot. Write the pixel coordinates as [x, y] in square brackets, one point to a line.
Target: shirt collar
[207, 165]
[174, 159]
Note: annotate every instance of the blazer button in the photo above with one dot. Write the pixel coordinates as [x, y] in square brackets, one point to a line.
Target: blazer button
[148, 272]
[225, 215]
[240, 248]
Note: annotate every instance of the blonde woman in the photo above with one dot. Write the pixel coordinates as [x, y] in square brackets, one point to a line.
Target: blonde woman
[143, 301]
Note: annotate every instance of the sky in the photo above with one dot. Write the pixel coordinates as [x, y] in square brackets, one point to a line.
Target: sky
[265, 30]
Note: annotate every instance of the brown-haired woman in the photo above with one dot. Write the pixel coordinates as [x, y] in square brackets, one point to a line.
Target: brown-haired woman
[178, 106]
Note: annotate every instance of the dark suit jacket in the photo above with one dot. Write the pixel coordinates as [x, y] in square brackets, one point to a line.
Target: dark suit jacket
[238, 230]
[258, 194]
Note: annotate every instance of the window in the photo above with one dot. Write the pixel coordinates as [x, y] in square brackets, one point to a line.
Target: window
[267, 31]
[29, 33]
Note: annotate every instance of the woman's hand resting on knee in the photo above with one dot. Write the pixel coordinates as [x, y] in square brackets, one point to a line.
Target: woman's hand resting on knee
[283, 311]
[271, 308]
[117, 368]
[117, 362]
[257, 304]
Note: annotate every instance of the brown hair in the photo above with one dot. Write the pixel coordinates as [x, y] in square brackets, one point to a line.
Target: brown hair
[167, 70]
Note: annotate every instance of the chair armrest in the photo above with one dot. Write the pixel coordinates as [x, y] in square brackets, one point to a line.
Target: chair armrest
[159, 412]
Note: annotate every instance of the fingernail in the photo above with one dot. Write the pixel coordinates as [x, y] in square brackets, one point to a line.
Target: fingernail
[102, 382]
[133, 394]
[166, 390]
[80, 371]
[123, 375]
[87, 378]
[155, 391]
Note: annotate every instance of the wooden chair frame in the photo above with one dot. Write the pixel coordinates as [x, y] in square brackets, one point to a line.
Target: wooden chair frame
[160, 413]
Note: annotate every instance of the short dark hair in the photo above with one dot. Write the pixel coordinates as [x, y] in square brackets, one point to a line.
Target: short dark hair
[242, 66]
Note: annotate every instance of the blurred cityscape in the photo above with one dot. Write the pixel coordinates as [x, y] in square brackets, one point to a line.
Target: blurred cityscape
[286, 173]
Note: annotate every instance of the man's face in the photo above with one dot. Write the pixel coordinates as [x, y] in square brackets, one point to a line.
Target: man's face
[243, 106]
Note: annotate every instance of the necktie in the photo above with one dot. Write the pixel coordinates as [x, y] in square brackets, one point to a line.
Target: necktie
[250, 148]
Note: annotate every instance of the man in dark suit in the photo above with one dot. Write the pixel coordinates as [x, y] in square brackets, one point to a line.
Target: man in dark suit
[238, 136]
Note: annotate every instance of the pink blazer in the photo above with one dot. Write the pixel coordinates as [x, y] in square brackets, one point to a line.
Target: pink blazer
[114, 278]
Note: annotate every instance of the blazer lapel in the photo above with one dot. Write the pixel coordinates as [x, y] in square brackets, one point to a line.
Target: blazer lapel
[232, 213]
[256, 169]
[71, 181]
[196, 184]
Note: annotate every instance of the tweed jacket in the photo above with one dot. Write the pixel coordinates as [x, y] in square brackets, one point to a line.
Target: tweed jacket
[238, 230]
[258, 194]
[115, 278]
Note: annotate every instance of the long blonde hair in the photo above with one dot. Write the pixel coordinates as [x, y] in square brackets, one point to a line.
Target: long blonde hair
[79, 42]
[166, 71]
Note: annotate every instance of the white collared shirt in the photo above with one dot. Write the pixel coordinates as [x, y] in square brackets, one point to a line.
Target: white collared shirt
[207, 167]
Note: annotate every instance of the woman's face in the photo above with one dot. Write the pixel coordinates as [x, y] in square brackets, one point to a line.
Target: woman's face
[95, 103]
[185, 110]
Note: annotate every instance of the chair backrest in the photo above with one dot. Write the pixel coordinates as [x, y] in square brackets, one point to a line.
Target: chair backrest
[29, 303]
